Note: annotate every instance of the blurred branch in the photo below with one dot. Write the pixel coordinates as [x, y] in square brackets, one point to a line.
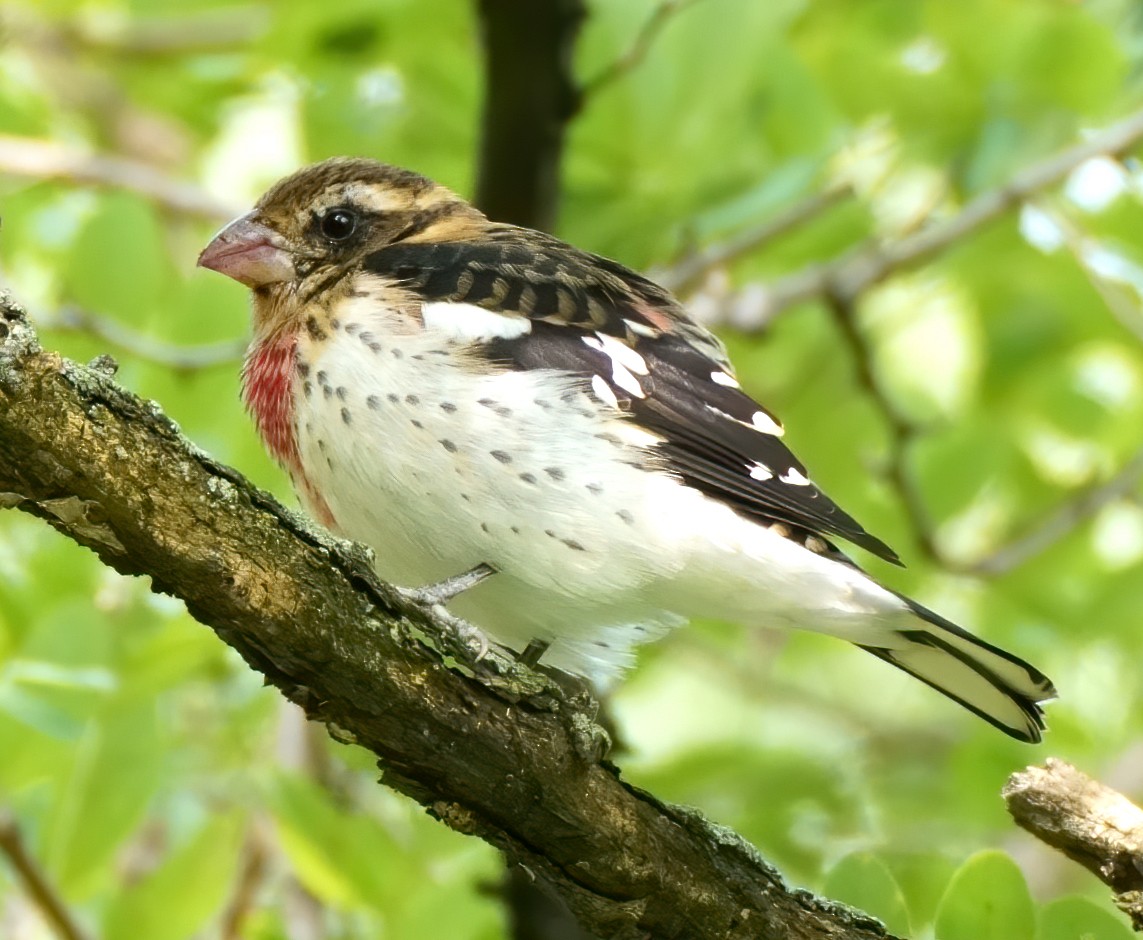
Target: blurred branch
[176, 357]
[1087, 821]
[504, 753]
[860, 268]
[30, 874]
[638, 49]
[48, 160]
[690, 270]
[1124, 307]
[902, 430]
[251, 875]
[1060, 523]
[530, 95]
[190, 33]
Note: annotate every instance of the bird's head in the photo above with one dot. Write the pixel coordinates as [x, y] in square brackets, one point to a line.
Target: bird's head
[315, 226]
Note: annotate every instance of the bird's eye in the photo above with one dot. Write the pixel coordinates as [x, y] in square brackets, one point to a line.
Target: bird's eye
[338, 224]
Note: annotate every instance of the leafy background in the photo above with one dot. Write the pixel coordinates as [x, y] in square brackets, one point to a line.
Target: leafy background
[983, 412]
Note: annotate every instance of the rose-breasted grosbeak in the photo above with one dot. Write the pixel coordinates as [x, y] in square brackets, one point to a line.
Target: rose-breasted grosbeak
[455, 392]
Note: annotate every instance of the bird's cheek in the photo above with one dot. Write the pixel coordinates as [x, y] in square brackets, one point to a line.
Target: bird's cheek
[250, 253]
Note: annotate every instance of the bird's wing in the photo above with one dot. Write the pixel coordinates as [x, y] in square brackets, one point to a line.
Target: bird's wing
[636, 350]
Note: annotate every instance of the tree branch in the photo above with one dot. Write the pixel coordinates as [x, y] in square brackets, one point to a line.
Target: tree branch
[178, 358]
[1090, 823]
[860, 268]
[48, 160]
[638, 49]
[506, 755]
[529, 96]
[42, 892]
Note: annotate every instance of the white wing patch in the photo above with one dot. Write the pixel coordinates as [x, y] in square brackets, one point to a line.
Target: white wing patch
[603, 391]
[468, 323]
[760, 472]
[625, 362]
[767, 425]
[718, 377]
[794, 477]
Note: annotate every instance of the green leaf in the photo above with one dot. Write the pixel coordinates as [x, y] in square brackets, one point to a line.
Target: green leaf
[1076, 918]
[176, 899]
[987, 899]
[864, 881]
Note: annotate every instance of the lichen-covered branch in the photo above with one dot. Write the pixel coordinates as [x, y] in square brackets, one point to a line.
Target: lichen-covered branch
[1087, 821]
[507, 755]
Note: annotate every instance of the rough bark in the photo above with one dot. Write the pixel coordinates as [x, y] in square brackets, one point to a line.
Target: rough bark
[1087, 821]
[530, 95]
[506, 755]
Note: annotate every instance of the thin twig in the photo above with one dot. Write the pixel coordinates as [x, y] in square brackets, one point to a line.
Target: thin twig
[251, 875]
[858, 269]
[49, 160]
[36, 883]
[638, 49]
[689, 271]
[179, 358]
[1061, 523]
[1087, 821]
[903, 431]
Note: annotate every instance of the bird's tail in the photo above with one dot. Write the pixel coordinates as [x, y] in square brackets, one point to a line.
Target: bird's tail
[1001, 688]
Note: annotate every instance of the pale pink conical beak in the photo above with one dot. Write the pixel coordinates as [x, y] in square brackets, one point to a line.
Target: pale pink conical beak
[249, 252]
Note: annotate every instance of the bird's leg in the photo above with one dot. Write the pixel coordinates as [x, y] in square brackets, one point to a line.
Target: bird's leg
[532, 653]
[465, 638]
[444, 591]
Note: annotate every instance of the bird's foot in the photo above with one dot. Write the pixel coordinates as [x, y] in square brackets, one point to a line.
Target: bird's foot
[464, 640]
[532, 653]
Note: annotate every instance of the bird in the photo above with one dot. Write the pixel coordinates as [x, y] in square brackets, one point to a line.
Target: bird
[488, 407]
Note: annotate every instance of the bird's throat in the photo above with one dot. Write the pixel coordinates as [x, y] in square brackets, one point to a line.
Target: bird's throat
[267, 380]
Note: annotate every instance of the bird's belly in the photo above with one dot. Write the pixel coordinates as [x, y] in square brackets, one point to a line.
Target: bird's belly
[438, 469]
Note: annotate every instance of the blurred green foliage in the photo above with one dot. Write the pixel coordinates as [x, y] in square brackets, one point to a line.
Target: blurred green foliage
[166, 793]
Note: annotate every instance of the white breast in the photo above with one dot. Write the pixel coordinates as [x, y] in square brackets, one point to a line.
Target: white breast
[439, 467]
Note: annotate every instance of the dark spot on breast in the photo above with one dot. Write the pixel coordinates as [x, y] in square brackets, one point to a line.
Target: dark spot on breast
[594, 488]
[308, 388]
[626, 516]
[393, 397]
[487, 402]
[503, 410]
[448, 445]
[342, 393]
[314, 329]
[335, 324]
[501, 456]
[573, 545]
[554, 472]
[415, 423]
[527, 478]
[352, 328]
[322, 378]
[412, 400]
[464, 496]
[345, 415]
[303, 369]
[484, 527]
[448, 406]
[366, 337]
[327, 391]
[321, 445]
[543, 403]
[515, 530]
[397, 354]
[373, 402]
[376, 347]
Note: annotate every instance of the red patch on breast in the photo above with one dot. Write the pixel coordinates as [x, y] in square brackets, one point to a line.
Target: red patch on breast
[267, 389]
